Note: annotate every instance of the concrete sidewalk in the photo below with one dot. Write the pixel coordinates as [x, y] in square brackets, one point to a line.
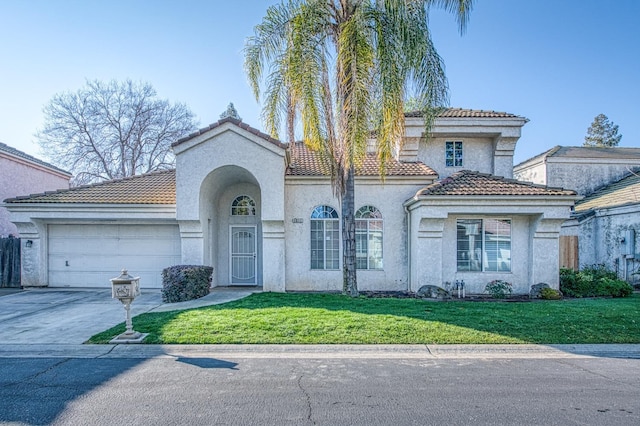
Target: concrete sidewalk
[72, 316]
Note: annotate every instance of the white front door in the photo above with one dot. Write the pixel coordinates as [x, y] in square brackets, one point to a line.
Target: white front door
[243, 249]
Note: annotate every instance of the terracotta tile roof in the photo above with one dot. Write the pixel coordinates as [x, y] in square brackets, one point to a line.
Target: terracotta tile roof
[467, 182]
[150, 188]
[238, 123]
[617, 153]
[467, 113]
[309, 163]
[17, 153]
[623, 192]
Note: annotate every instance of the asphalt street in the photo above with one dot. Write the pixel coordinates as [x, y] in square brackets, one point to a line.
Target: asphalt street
[47, 376]
[272, 390]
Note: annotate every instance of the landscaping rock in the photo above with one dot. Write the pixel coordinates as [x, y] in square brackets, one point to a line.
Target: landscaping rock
[433, 292]
[536, 290]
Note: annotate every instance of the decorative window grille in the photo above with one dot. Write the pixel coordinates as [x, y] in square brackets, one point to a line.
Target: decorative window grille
[243, 205]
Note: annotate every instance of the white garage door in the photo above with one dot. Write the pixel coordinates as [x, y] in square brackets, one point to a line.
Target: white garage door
[90, 255]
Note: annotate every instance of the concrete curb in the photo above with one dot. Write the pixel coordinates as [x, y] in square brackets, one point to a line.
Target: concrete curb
[432, 352]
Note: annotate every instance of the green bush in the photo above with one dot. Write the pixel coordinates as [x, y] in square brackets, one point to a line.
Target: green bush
[185, 282]
[593, 281]
[499, 289]
[550, 294]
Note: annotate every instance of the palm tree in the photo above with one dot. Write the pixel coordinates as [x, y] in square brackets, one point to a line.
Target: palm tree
[345, 69]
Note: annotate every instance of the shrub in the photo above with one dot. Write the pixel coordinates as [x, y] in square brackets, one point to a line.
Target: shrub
[550, 294]
[593, 281]
[185, 282]
[613, 288]
[499, 289]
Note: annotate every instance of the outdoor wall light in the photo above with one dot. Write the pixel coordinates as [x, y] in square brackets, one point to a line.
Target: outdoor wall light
[29, 243]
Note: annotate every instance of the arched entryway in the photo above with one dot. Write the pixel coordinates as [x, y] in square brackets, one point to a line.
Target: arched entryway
[231, 222]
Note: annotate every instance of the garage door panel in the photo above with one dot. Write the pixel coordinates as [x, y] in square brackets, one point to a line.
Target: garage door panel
[147, 248]
[90, 255]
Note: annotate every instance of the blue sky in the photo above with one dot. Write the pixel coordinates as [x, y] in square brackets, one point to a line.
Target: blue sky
[558, 63]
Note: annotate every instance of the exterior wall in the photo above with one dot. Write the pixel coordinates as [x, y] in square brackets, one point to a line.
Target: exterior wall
[603, 239]
[585, 177]
[477, 155]
[206, 166]
[476, 281]
[489, 143]
[303, 195]
[21, 177]
[534, 240]
[534, 173]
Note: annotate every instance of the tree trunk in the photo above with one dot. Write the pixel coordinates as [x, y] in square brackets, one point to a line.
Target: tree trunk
[350, 284]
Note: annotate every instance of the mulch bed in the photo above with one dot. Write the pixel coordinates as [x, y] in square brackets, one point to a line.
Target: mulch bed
[468, 298]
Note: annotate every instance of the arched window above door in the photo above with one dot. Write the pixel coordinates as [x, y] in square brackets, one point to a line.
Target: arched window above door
[243, 205]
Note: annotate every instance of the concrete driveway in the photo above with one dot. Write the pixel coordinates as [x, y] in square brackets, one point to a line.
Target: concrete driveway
[72, 316]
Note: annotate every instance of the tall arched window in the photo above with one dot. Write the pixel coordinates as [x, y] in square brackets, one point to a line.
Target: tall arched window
[368, 238]
[243, 205]
[325, 238]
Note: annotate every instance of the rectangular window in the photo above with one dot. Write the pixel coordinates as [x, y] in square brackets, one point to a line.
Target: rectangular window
[325, 244]
[369, 244]
[484, 245]
[453, 154]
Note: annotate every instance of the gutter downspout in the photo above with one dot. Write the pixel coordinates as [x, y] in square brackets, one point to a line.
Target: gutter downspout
[406, 209]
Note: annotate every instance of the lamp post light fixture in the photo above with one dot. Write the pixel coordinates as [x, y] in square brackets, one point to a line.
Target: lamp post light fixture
[125, 288]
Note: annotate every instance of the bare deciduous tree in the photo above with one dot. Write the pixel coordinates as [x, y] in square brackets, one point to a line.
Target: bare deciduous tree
[112, 130]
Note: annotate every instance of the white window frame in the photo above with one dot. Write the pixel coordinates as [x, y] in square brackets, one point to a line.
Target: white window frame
[454, 150]
[484, 258]
[324, 215]
[366, 218]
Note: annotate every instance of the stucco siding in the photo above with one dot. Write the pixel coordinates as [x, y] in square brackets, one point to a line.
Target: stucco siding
[584, 178]
[535, 173]
[235, 150]
[475, 282]
[302, 197]
[477, 155]
[603, 239]
[21, 178]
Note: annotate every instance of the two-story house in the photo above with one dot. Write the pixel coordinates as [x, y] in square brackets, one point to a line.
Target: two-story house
[264, 214]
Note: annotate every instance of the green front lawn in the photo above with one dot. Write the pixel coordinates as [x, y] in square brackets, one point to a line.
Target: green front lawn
[336, 319]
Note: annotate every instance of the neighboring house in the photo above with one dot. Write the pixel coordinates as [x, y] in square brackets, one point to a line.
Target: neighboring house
[597, 232]
[607, 227]
[264, 214]
[20, 174]
[583, 169]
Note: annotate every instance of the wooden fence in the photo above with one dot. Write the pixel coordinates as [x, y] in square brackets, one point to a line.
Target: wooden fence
[569, 252]
[9, 262]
